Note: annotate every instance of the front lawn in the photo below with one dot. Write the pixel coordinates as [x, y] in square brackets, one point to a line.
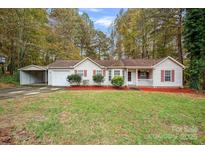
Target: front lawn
[104, 117]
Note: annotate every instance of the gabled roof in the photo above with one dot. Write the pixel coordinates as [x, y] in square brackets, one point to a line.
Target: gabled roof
[141, 62]
[34, 68]
[87, 58]
[125, 63]
[172, 59]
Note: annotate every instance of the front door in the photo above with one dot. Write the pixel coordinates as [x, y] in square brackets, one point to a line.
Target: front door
[130, 77]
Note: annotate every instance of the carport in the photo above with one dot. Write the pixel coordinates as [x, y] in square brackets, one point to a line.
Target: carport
[33, 74]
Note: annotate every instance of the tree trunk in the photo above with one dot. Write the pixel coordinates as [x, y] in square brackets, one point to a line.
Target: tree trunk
[81, 51]
[179, 37]
[154, 41]
[12, 58]
[2, 69]
[203, 86]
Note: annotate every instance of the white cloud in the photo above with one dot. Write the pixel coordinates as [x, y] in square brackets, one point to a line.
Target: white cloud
[105, 21]
[92, 9]
[80, 13]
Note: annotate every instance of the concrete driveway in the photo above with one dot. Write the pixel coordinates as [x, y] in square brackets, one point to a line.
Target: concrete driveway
[25, 91]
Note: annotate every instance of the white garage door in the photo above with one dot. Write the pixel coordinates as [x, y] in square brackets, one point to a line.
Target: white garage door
[59, 78]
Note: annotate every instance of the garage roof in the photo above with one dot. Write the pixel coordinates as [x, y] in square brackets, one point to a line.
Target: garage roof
[34, 68]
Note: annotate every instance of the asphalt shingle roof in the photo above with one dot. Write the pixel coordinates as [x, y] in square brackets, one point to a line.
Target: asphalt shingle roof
[63, 63]
[108, 63]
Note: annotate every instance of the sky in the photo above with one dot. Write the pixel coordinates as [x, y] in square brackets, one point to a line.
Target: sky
[102, 18]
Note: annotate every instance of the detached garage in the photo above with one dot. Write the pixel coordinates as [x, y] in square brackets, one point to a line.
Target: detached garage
[33, 74]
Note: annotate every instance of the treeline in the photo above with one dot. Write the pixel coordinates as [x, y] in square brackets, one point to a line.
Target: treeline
[40, 36]
[149, 33]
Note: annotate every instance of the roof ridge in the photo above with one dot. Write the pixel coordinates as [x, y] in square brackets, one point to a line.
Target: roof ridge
[137, 62]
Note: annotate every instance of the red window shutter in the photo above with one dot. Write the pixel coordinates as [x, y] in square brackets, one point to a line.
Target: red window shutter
[173, 75]
[94, 72]
[162, 75]
[85, 73]
[75, 71]
[104, 72]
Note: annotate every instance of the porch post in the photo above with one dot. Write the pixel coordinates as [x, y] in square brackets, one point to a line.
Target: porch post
[136, 83]
[126, 77]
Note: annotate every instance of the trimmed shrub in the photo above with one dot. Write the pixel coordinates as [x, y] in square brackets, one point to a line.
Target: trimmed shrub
[117, 81]
[98, 79]
[74, 79]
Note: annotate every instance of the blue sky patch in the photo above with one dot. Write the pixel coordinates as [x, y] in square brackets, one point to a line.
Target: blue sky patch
[102, 17]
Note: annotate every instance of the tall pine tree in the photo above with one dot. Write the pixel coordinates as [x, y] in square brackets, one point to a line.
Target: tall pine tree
[194, 39]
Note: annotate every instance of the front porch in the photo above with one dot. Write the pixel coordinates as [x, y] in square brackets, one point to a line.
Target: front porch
[138, 77]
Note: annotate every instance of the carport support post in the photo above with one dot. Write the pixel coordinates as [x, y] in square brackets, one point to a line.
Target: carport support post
[46, 77]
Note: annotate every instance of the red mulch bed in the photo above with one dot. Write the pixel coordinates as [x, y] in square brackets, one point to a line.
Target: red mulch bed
[171, 90]
[192, 92]
[95, 88]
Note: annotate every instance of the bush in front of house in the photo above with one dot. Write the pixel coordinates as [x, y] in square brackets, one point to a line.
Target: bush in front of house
[98, 79]
[74, 79]
[117, 81]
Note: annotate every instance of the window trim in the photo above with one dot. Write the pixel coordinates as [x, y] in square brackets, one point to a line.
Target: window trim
[170, 75]
[97, 72]
[143, 75]
[110, 75]
[81, 74]
[115, 71]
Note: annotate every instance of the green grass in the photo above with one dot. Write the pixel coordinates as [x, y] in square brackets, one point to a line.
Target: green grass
[1, 109]
[109, 117]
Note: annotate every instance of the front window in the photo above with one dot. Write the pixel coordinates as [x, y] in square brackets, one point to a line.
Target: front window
[80, 72]
[116, 72]
[167, 75]
[123, 74]
[143, 74]
[110, 75]
[99, 72]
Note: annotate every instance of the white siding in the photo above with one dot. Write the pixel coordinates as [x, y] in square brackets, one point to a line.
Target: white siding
[89, 66]
[24, 78]
[168, 65]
